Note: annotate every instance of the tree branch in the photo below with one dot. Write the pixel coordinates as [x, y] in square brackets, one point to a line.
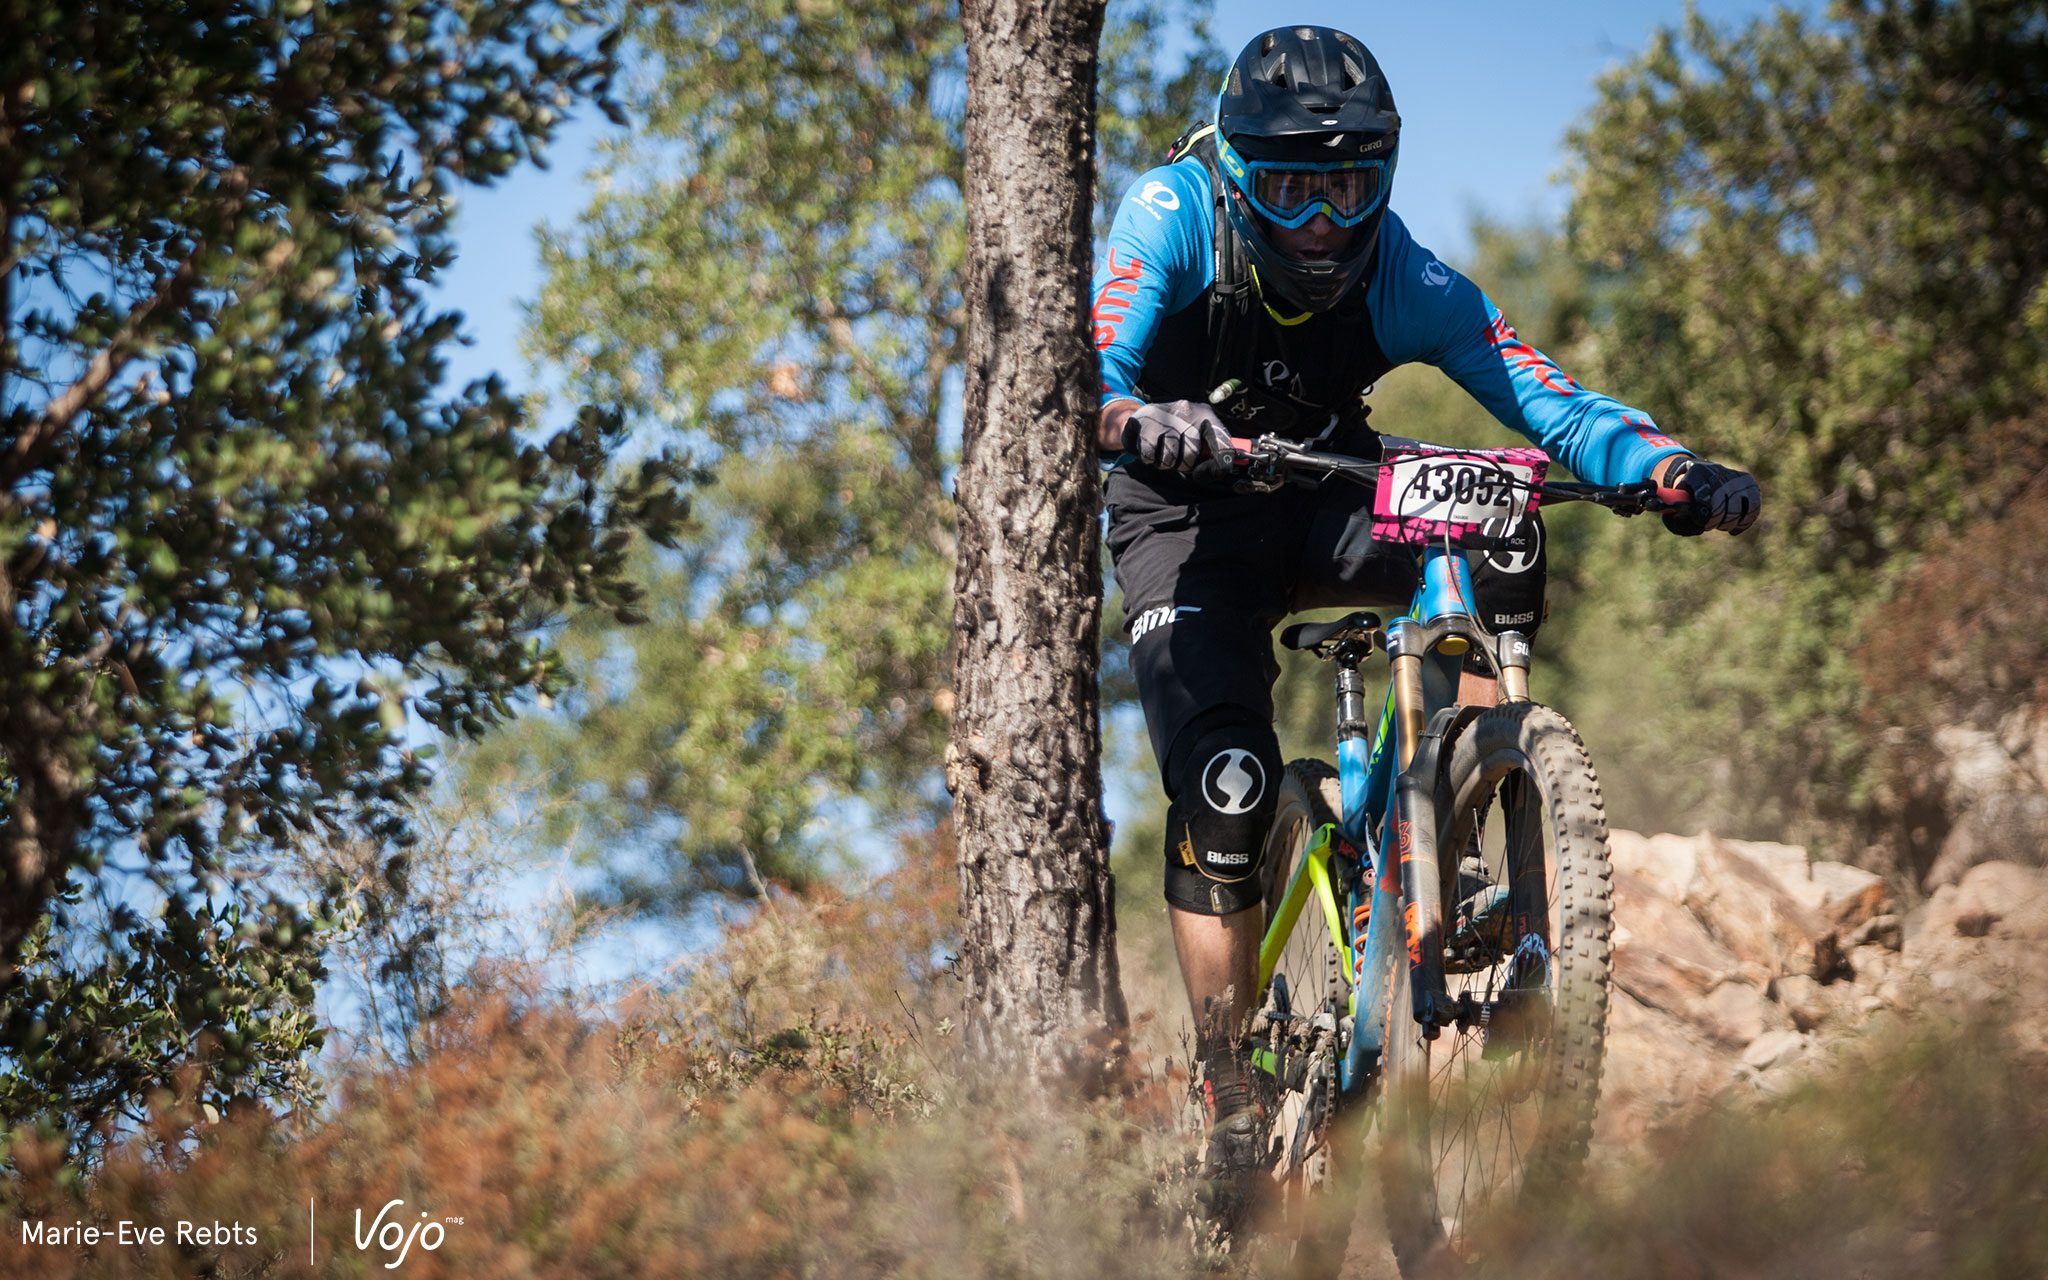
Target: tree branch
[34, 444]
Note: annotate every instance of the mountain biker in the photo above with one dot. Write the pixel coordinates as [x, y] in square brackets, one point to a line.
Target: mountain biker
[1263, 263]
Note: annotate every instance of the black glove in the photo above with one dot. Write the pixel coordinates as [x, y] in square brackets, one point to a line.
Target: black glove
[1722, 498]
[1177, 435]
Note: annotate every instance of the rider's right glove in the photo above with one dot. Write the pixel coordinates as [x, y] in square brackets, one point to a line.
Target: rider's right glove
[1722, 498]
[1176, 435]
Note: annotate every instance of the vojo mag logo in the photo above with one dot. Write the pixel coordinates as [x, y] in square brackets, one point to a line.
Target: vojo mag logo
[393, 1233]
[396, 1237]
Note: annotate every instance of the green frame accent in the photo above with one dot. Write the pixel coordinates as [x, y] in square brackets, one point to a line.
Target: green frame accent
[1312, 876]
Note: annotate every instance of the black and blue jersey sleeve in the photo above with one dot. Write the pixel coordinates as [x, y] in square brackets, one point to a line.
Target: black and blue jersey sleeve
[1158, 259]
[1424, 310]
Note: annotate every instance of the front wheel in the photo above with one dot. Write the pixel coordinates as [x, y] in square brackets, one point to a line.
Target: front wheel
[1496, 1113]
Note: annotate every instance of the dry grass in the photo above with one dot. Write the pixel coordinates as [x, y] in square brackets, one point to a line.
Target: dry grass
[801, 1108]
[1920, 1151]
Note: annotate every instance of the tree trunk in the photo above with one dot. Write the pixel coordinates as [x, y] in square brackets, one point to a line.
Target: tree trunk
[1025, 766]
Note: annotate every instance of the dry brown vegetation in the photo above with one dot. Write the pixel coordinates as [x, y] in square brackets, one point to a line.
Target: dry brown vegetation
[800, 1108]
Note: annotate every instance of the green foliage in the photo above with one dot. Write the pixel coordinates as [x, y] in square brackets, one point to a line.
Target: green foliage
[771, 273]
[245, 539]
[212, 1001]
[1834, 238]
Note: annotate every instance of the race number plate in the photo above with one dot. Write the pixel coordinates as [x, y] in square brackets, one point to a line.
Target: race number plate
[1428, 493]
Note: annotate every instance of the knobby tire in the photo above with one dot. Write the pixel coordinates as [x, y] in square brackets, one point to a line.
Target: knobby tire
[1470, 1136]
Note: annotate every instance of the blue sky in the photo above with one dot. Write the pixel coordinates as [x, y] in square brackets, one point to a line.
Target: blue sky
[1487, 91]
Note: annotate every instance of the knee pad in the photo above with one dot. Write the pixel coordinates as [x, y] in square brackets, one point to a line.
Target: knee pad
[1225, 773]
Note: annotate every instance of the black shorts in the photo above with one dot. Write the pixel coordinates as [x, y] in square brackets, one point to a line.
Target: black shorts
[1207, 575]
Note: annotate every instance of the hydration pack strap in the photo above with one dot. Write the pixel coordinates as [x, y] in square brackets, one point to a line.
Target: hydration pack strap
[1232, 292]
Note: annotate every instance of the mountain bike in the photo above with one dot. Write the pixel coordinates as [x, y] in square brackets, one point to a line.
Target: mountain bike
[1439, 904]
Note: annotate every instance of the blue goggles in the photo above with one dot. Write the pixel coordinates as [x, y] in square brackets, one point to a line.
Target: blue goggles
[1288, 192]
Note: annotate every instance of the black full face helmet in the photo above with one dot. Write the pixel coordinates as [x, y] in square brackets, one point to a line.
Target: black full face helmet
[1306, 127]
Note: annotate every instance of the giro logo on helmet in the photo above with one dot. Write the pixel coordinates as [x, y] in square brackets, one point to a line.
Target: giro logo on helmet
[1233, 781]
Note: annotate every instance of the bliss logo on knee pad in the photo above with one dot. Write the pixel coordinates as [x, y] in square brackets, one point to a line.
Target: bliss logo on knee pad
[1227, 859]
[1233, 781]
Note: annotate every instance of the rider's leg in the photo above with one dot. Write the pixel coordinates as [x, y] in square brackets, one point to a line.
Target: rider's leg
[1219, 964]
[1223, 771]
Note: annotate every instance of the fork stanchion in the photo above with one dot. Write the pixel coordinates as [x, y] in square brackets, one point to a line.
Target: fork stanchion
[1405, 656]
[1513, 654]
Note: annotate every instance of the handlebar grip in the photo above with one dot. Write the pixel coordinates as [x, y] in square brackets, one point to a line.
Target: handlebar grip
[1678, 498]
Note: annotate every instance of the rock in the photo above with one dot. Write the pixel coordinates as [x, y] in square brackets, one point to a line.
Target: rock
[1748, 895]
[1775, 1049]
[2005, 826]
[2015, 899]
[1979, 939]
[1996, 796]
[1803, 1000]
[1977, 762]
[1667, 863]
[1736, 1013]
[1662, 954]
[1872, 964]
[1975, 924]
[1659, 1072]
[1848, 895]
[1884, 931]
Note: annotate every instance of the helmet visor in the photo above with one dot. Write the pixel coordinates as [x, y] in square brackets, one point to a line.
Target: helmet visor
[1291, 194]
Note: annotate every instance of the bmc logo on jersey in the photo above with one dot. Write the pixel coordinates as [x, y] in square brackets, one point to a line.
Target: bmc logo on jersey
[1113, 301]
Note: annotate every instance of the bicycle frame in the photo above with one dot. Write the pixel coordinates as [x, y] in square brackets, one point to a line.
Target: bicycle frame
[1427, 647]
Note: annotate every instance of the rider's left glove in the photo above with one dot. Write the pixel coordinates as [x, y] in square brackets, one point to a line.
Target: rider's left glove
[1722, 498]
[1176, 435]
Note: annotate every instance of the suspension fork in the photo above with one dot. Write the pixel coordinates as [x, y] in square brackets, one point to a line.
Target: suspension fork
[1413, 830]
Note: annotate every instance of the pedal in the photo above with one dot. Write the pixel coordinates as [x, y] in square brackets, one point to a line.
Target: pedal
[1278, 1010]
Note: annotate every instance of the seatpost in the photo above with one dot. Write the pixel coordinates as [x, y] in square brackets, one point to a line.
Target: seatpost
[1351, 721]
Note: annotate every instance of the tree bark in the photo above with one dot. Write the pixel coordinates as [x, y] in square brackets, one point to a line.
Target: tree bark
[1024, 765]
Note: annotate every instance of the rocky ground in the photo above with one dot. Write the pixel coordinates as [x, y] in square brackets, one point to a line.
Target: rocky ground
[1740, 966]
[1737, 964]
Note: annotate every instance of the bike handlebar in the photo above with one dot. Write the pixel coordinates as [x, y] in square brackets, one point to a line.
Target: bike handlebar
[1281, 458]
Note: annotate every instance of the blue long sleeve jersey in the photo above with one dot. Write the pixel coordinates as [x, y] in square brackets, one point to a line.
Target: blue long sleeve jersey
[1160, 260]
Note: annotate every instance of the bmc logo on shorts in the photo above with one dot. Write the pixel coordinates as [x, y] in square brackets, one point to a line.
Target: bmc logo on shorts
[1163, 616]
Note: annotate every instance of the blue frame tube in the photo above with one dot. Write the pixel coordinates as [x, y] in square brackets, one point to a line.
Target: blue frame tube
[1446, 586]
